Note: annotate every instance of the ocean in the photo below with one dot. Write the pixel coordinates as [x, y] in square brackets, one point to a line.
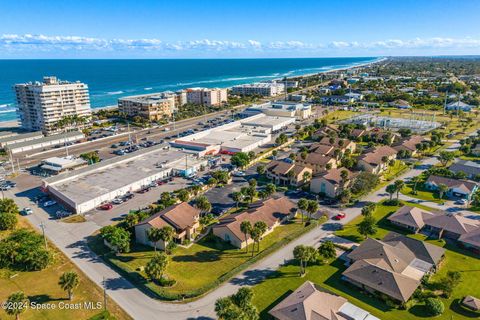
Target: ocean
[109, 80]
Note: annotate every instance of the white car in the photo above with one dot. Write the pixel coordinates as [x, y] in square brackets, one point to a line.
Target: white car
[49, 203]
[239, 174]
[26, 211]
[117, 201]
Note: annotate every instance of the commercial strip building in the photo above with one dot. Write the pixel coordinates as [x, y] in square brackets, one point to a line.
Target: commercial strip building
[45, 142]
[239, 136]
[85, 189]
[281, 109]
[154, 107]
[41, 105]
[310, 302]
[264, 89]
[17, 138]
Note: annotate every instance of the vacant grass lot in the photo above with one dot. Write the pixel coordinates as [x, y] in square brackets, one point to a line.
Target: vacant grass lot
[198, 268]
[422, 193]
[42, 287]
[286, 279]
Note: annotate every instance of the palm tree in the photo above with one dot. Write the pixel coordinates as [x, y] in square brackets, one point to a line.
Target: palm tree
[166, 235]
[237, 197]
[156, 267]
[344, 176]
[69, 281]
[304, 254]
[261, 228]
[415, 180]
[302, 205]
[442, 188]
[399, 186]
[270, 188]
[312, 208]
[391, 189]
[154, 235]
[306, 176]
[16, 304]
[245, 228]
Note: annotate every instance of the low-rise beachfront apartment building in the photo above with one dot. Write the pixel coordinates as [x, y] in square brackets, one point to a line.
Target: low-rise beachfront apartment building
[40, 105]
[264, 89]
[207, 96]
[86, 188]
[154, 107]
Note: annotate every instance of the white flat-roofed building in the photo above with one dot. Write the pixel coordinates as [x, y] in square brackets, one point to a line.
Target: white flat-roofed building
[5, 141]
[264, 89]
[154, 107]
[41, 105]
[57, 165]
[86, 188]
[45, 142]
[281, 109]
[207, 96]
[240, 136]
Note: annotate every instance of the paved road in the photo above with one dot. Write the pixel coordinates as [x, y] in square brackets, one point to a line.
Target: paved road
[70, 238]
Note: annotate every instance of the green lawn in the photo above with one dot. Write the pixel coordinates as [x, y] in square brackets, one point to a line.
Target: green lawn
[270, 292]
[422, 193]
[393, 171]
[42, 287]
[203, 265]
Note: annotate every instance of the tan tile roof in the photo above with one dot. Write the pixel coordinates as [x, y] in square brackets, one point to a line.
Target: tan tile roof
[472, 238]
[316, 159]
[326, 141]
[269, 211]
[409, 143]
[321, 148]
[375, 156]
[471, 302]
[411, 216]
[279, 167]
[455, 223]
[179, 216]
[465, 185]
[334, 175]
[386, 265]
[309, 303]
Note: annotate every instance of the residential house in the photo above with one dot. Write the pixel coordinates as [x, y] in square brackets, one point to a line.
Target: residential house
[339, 143]
[182, 217]
[401, 104]
[288, 173]
[273, 212]
[317, 162]
[393, 266]
[326, 150]
[409, 144]
[456, 187]
[372, 161]
[330, 182]
[471, 303]
[410, 218]
[311, 302]
[459, 105]
[357, 134]
[325, 131]
[336, 99]
[470, 168]
[452, 226]
[442, 225]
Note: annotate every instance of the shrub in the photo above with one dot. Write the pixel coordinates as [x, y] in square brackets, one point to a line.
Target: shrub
[434, 306]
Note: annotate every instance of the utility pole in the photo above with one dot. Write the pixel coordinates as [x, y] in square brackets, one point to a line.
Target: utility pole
[445, 103]
[104, 284]
[65, 141]
[11, 161]
[42, 225]
[18, 164]
[128, 129]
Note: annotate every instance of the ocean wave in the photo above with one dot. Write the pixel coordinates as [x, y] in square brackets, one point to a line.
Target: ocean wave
[8, 111]
[114, 93]
[6, 105]
[149, 88]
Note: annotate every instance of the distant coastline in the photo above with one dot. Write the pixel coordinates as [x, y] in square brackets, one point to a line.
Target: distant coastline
[8, 115]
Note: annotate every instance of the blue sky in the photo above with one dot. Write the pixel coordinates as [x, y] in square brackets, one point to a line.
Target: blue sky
[262, 28]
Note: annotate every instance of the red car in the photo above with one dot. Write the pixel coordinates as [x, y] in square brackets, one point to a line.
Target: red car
[106, 206]
[340, 216]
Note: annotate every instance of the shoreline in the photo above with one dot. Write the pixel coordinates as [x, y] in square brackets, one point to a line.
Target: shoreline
[16, 123]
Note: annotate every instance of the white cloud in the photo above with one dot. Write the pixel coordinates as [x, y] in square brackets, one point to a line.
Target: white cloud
[28, 43]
